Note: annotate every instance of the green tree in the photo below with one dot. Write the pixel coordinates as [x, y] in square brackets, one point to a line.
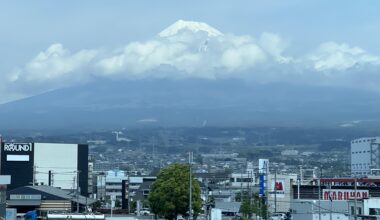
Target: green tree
[259, 207]
[96, 205]
[246, 208]
[118, 203]
[169, 195]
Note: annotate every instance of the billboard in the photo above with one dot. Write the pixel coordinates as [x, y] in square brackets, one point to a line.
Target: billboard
[344, 194]
[278, 188]
[17, 161]
[264, 166]
[17, 151]
[262, 185]
[263, 172]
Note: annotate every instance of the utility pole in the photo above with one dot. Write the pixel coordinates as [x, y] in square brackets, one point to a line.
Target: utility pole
[207, 199]
[49, 178]
[319, 193]
[319, 198]
[34, 176]
[299, 184]
[78, 191]
[190, 185]
[275, 189]
[320, 177]
[330, 202]
[266, 189]
[356, 205]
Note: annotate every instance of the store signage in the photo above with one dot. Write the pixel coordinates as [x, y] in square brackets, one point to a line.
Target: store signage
[264, 166]
[18, 147]
[278, 188]
[262, 185]
[344, 194]
[25, 197]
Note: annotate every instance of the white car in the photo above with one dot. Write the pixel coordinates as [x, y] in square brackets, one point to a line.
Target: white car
[144, 211]
[278, 216]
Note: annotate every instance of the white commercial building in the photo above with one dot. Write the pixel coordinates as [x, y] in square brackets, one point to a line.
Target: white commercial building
[243, 180]
[319, 210]
[365, 156]
[280, 191]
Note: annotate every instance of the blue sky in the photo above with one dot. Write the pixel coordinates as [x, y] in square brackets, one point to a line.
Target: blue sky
[30, 27]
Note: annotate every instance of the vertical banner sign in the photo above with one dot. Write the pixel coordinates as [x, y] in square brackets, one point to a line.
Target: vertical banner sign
[263, 172]
[264, 166]
[262, 185]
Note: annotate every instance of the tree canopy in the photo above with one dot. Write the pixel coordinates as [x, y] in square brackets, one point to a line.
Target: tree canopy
[169, 195]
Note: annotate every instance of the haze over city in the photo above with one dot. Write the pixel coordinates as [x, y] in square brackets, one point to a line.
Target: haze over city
[187, 110]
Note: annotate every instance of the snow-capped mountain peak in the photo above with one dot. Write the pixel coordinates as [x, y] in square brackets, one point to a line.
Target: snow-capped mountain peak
[192, 26]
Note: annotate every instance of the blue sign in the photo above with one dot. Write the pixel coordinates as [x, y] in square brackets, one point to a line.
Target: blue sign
[31, 215]
[262, 185]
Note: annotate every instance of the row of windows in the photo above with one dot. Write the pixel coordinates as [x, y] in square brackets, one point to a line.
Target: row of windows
[359, 152]
[362, 173]
[239, 180]
[361, 164]
[363, 140]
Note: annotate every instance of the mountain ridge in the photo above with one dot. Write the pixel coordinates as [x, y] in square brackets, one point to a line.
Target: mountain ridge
[228, 102]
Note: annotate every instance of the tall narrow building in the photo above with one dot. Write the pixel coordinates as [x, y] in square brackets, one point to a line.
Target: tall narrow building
[365, 156]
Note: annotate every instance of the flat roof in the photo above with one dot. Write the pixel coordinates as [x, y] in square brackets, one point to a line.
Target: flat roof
[351, 180]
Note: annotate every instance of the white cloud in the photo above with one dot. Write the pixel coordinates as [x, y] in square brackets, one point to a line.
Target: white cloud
[275, 46]
[332, 56]
[55, 63]
[242, 57]
[192, 53]
[191, 49]
[139, 57]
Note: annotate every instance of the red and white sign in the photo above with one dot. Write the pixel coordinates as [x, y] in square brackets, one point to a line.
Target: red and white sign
[344, 194]
[278, 188]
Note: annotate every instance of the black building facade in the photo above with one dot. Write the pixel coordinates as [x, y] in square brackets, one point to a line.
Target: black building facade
[59, 165]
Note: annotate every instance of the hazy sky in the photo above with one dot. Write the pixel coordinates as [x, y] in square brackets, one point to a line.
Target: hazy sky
[46, 45]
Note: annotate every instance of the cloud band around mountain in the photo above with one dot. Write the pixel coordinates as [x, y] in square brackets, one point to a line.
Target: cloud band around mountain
[190, 49]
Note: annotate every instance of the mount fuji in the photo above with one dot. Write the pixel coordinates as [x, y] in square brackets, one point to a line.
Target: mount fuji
[159, 97]
[108, 104]
[191, 26]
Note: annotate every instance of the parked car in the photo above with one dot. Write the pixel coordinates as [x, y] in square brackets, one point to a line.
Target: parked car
[143, 211]
[278, 216]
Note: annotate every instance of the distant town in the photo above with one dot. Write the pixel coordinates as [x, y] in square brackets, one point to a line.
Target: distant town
[111, 173]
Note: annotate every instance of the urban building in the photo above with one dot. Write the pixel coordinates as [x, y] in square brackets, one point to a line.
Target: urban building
[369, 208]
[280, 191]
[59, 165]
[365, 156]
[46, 199]
[245, 179]
[109, 185]
[324, 210]
[139, 187]
[336, 197]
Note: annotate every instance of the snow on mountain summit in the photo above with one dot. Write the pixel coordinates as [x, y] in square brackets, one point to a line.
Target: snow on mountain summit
[192, 26]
